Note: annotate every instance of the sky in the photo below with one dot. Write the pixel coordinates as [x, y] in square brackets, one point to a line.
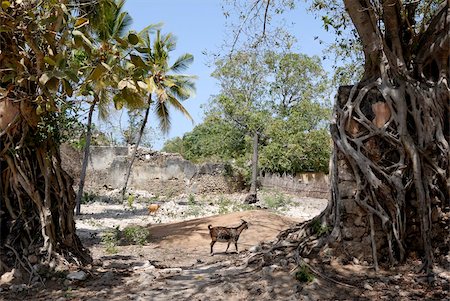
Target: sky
[199, 26]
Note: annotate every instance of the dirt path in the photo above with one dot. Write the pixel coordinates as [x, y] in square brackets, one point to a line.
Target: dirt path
[176, 265]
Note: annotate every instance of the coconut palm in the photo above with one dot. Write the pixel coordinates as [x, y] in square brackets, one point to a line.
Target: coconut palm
[108, 26]
[165, 86]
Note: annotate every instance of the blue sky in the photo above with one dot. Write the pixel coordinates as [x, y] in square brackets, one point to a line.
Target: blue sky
[199, 26]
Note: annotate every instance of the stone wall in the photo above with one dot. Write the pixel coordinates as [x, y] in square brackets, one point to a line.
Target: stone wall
[310, 184]
[169, 174]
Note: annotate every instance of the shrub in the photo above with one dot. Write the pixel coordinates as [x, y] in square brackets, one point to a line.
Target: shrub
[303, 274]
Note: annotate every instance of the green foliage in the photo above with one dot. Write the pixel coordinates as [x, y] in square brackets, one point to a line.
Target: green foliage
[130, 201]
[319, 228]
[303, 274]
[226, 205]
[135, 235]
[129, 235]
[283, 96]
[191, 199]
[194, 209]
[174, 145]
[88, 197]
[111, 239]
[275, 201]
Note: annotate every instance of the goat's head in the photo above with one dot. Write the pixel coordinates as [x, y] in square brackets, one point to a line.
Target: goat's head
[244, 223]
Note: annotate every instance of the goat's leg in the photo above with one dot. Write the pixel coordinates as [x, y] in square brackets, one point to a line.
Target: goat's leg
[228, 246]
[212, 245]
[235, 244]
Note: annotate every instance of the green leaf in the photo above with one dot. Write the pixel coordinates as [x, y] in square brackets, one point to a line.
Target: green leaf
[6, 5]
[107, 67]
[123, 43]
[72, 76]
[86, 41]
[133, 38]
[49, 61]
[80, 22]
[39, 110]
[67, 88]
[118, 101]
[137, 61]
[143, 49]
[97, 72]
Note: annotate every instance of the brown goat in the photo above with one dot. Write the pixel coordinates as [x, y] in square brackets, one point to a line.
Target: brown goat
[226, 234]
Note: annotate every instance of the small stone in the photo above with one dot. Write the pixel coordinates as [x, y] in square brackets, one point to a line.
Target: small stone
[170, 272]
[9, 277]
[283, 263]
[254, 249]
[16, 288]
[355, 260]
[107, 277]
[80, 275]
[368, 287]
[33, 259]
[403, 294]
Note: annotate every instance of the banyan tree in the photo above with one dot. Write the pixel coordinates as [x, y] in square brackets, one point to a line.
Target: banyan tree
[390, 171]
[36, 195]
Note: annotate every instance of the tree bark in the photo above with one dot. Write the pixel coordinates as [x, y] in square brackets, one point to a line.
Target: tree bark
[254, 182]
[133, 157]
[85, 158]
[252, 197]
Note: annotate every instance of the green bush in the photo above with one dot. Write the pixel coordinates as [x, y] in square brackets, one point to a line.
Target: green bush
[277, 201]
[111, 239]
[303, 274]
[135, 235]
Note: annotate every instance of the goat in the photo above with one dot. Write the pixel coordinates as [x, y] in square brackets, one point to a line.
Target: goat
[152, 208]
[226, 234]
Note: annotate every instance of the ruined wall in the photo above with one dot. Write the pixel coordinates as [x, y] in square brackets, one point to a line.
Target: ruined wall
[310, 184]
[156, 172]
[169, 174]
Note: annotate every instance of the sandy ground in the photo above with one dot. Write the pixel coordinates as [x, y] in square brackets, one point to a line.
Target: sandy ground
[175, 264]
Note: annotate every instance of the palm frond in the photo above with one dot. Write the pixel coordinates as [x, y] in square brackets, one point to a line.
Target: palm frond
[178, 106]
[103, 105]
[183, 87]
[121, 24]
[182, 63]
[162, 113]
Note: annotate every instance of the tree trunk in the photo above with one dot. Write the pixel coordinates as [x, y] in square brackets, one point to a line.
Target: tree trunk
[133, 157]
[390, 169]
[85, 158]
[37, 196]
[252, 197]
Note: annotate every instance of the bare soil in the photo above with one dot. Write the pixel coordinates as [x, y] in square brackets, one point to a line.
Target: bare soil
[176, 263]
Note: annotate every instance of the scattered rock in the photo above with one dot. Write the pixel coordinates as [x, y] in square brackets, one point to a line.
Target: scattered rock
[33, 259]
[251, 199]
[166, 273]
[255, 249]
[355, 260]
[80, 275]
[107, 277]
[17, 288]
[368, 287]
[9, 277]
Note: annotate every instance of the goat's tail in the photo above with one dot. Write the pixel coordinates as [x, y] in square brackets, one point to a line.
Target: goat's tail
[209, 227]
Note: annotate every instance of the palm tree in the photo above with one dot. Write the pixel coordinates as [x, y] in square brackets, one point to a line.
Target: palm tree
[163, 83]
[109, 24]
